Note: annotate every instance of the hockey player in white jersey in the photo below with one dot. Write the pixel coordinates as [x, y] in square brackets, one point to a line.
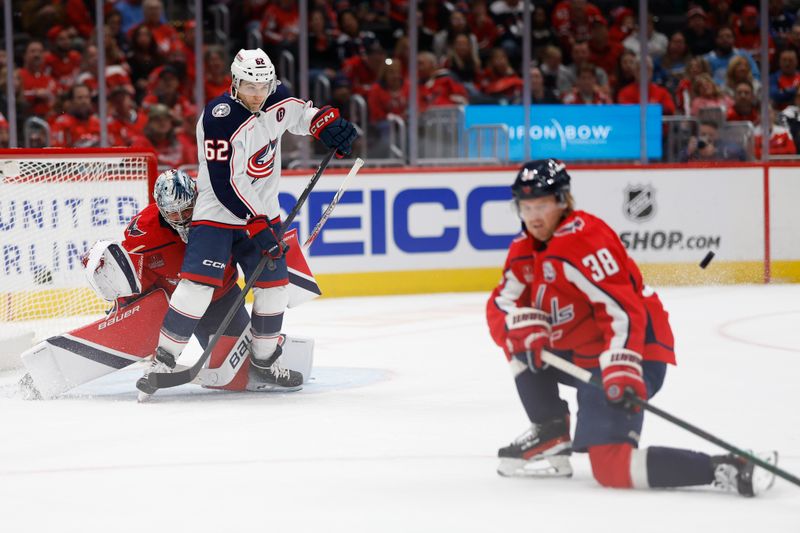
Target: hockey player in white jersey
[239, 145]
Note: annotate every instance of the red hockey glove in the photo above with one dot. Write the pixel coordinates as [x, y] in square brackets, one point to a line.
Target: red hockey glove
[622, 375]
[262, 232]
[334, 131]
[528, 332]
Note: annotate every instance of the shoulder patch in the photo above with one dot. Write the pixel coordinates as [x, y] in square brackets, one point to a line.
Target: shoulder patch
[133, 227]
[221, 110]
[573, 227]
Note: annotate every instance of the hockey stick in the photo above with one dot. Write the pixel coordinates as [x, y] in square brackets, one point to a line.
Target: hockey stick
[584, 375]
[165, 380]
[353, 171]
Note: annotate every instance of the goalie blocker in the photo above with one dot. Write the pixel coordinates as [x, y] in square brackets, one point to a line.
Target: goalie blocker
[130, 335]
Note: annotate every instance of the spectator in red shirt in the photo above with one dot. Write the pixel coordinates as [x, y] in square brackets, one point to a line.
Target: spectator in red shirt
[173, 148]
[604, 53]
[498, 80]
[218, 77]
[622, 24]
[4, 135]
[483, 27]
[655, 93]
[780, 139]
[164, 34]
[586, 89]
[80, 126]
[436, 87]
[744, 104]
[389, 95]
[125, 121]
[784, 83]
[572, 21]
[363, 71]
[38, 88]
[168, 92]
[280, 26]
[62, 63]
[747, 34]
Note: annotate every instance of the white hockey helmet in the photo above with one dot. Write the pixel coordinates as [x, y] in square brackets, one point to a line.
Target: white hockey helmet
[253, 65]
[175, 193]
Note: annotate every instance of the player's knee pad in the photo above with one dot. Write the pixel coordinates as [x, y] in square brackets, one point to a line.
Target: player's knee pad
[611, 464]
[270, 300]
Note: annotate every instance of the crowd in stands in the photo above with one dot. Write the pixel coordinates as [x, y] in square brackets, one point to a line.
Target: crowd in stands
[701, 55]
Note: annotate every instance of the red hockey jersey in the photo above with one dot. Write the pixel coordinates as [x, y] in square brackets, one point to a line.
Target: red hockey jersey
[149, 239]
[593, 291]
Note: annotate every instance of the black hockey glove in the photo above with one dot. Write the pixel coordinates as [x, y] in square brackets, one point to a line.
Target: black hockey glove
[334, 131]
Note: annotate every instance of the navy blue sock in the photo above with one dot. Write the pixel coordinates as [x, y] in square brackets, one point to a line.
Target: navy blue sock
[673, 467]
[539, 395]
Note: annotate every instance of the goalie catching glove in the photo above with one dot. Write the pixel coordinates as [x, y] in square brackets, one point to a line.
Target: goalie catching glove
[528, 333]
[112, 272]
[334, 131]
[622, 377]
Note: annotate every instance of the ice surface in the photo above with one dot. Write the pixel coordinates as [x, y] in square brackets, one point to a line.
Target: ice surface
[398, 431]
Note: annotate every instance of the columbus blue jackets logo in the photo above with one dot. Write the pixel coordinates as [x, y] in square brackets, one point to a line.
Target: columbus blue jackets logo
[640, 202]
[221, 110]
[261, 164]
[133, 228]
[280, 114]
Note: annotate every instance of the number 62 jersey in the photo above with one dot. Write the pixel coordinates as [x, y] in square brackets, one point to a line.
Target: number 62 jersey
[591, 288]
[239, 155]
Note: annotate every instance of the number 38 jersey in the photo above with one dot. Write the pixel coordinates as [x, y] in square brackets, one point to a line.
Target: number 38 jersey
[592, 289]
[239, 156]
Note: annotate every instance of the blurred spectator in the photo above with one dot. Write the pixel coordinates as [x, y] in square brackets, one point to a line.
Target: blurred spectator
[572, 20]
[707, 146]
[706, 93]
[280, 26]
[131, 12]
[167, 91]
[557, 77]
[4, 136]
[218, 77]
[623, 74]
[80, 126]
[62, 63]
[721, 15]
[783, 84]
[323, 58]
[586, 89]
[76, 14]
[352, 41]
[790, 116]
[670, 68]
[457, 25]
[722, 54]
[126, 122]
[163, 33]
[683, 94]
[38, 88]
[400, 53]
[792, 38]
[580, 57]
[143, 57]
[780, 138]
[744, 104]
[781, 20]
[540, 93]
[498, 80]
[114, 28]
[389, 95]
[508, 16]
[655, 93]
[699, 36]
[363, 71]
[341, 94]
[115, 74]
[747, 34]
[483, 27]
[656, 41]
[739, 71]
[436, 86]
[463, 62]
[172, 147]
[604, 53]
[542, 35]
[622, 24]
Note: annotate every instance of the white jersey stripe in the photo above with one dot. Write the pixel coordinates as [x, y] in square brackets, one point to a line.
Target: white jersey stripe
[510, 293]
[233, 167]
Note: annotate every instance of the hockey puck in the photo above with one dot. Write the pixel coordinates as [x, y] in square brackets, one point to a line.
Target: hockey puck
[707, 259]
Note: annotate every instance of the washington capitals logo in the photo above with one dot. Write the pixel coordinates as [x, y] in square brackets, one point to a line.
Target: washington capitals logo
[261, 164]
[133, 228]
[573, 227]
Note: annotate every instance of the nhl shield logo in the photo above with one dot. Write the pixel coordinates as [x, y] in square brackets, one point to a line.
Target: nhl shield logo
[280, 114]
[640, 202]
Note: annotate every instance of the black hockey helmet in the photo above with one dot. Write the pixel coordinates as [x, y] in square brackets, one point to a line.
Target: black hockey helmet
[542, 177]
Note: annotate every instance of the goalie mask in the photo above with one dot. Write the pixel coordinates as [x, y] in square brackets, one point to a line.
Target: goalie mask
[175, 193]
[255, 68]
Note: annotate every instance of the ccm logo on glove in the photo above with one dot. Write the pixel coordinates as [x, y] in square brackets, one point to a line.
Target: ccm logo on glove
[322, 120]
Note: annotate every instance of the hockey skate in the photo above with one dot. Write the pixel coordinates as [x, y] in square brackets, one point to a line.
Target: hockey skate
[736, 473]
[269, 375]
[541, 451]
[162, 362]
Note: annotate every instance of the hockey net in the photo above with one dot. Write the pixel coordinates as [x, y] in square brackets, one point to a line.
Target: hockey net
[54, 204]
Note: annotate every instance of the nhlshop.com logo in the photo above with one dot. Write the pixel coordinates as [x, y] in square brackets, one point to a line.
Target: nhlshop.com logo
[565, 134]
[668, 240]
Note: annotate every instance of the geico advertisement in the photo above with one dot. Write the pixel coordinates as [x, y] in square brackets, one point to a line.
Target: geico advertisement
[665, 216]
[45, 229]
[784, 189]
[408, 221]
